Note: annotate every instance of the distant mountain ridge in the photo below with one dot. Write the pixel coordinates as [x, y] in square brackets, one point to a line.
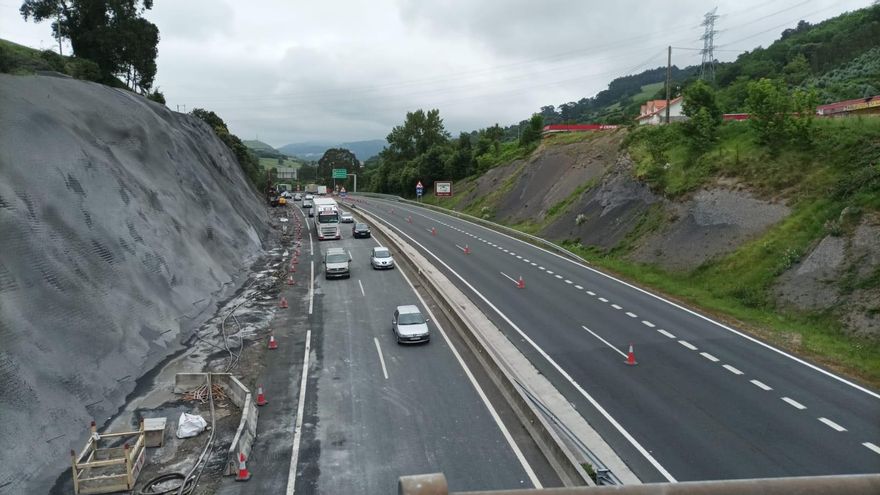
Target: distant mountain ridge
[256, 144]
[314, 150]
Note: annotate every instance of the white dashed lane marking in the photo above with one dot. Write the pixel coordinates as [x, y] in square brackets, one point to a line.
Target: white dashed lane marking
[578, 287]
[794, 403]
[550, 272]
[615, 306]
[832, 424]
[688, 345]
[533, 264]
[664, 332]
[709, 357]
[557, 276]
[591, 293]
[631, 315]
[568, 281]
[647, 323]
[732, 369]
[761, 385]
[603, 299]
[873, 447]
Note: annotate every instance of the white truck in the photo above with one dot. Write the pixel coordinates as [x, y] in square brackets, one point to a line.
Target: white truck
[322, 190]
[327, 219]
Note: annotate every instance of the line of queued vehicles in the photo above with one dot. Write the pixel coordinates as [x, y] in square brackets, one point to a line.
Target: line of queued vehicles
[408, 323]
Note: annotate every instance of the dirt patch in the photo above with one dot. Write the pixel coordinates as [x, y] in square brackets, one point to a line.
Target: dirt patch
[486, 184]
[713, 223]
[841, 274]
[607, 212]
[554, 173]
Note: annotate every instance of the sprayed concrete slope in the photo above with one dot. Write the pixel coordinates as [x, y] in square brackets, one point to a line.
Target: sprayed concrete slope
[121, 226]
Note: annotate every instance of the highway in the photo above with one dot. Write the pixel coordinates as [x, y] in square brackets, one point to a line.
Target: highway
[704, 401]
[374, 410]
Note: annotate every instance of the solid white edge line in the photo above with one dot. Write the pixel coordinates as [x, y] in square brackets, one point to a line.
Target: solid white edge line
[832, 424]
[761, 385]
[508, 277]
[794, 403]
[312, 286]
[675, 305]
[381, 358]
[664, 332]
[872, 447]
[297, 426]
[605, 341]
[635, 443]
[504, 432]
[362, 288]
[731, 369]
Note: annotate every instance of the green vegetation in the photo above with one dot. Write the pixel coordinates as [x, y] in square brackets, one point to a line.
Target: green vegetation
[269, 163]
[21, 60]
[112, 34]
[248, 162]
[421, 150]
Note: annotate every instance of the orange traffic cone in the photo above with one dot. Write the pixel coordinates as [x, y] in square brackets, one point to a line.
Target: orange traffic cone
[433, 231]
[520, 284]
[631, 357]
[467, 250]
[290, 280]
[272, 343]
[261, 398]
[283, 303]
[243, 473]
[409, 219]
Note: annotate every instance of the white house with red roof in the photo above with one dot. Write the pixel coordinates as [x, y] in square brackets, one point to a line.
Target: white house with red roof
[653, 112]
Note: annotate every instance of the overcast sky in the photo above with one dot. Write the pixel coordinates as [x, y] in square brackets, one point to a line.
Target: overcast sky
[303, 70]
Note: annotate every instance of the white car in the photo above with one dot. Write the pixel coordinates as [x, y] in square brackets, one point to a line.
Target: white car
[409, 325]
[309, 197]
[346, 217]
[380, 258]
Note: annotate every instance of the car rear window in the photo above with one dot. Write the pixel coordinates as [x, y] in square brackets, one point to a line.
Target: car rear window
[410, 319]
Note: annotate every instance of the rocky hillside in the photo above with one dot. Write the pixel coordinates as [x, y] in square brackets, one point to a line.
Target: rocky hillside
[738, 241]
[123, 224]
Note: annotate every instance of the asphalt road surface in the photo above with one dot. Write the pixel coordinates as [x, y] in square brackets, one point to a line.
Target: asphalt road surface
[375, 410]
[704, 401]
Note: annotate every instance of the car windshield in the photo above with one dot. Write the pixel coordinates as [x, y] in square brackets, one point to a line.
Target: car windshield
[361, 226]
[410, 319]
[381, 253]
[337, 258]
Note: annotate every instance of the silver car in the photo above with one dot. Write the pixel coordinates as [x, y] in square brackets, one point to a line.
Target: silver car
[346, 217]
[409, 325]
[381, 258]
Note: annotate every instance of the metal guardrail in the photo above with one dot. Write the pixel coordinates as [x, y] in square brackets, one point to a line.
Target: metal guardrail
[485, 223]
[852, 484]
[604, 475]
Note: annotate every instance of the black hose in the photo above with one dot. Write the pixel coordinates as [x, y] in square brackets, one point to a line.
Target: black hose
[149, 490]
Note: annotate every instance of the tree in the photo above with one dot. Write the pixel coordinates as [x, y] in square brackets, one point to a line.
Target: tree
[248, 162]
[704, 116]
[532, 132]
[111, 33]
[336, 158]
[797, 70]
[768, 107]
